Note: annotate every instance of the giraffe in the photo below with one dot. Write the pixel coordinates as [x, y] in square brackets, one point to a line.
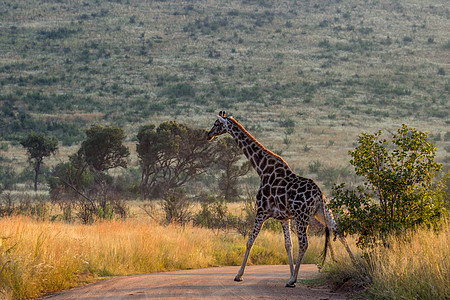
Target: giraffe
[283, 195]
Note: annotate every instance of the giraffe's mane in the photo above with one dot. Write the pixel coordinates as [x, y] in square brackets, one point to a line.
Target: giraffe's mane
[255, 141]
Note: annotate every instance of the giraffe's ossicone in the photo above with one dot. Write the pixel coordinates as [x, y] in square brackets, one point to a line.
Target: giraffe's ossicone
[282, 195]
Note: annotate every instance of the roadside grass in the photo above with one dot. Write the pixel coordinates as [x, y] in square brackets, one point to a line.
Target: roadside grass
[413, 266]
[41, 257]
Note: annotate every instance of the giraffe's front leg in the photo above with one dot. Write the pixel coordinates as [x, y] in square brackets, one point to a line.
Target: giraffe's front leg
[288, 243]
[258, 224]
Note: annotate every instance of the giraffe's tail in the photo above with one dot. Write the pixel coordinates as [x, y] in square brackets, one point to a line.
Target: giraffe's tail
[329, 223]
[327, 244]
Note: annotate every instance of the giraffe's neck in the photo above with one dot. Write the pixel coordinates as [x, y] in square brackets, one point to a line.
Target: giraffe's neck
[262, 160]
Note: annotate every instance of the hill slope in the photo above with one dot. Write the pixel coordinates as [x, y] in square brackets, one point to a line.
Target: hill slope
[305, 77]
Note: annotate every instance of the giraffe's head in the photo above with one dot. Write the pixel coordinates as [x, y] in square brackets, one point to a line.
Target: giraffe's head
[220, 126]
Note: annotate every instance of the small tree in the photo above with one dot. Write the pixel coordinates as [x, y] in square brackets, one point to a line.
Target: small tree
[176, 207]
[103, 148]
[85, 175]
[397, 193]
[38, 146]
[170, 156]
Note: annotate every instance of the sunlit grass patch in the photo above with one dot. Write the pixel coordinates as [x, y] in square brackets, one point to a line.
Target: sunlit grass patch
[415, 265]
[43, 257]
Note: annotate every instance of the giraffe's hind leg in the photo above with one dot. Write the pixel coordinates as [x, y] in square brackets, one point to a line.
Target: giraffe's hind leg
[302, 246]
[287, 243]
[258, 224]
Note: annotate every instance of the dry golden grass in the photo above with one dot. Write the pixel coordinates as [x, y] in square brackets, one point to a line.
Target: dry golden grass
[43, 257]
[417, 266]
[413, 266]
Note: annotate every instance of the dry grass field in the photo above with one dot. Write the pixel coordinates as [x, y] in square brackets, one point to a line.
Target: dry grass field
[413, 266]
[39, 257]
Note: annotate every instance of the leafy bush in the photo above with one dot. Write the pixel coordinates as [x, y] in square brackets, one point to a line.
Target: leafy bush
[171, 155]
[213, 214]
[59, 33]
[176, 207]
[397, 193]
[179, 90]
[7, 177]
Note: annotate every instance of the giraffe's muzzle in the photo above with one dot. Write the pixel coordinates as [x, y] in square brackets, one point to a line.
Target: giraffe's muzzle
[210, 135]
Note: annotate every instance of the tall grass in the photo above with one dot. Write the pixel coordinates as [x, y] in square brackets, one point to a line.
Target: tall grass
[42, 257]
[415, 265]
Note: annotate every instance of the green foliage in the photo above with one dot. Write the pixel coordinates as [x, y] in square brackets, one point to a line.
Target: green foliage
[103, 148]
[70, 174]
[38, 146]
[289, 123]
[105, 212]
[397, 193]
[171, 155]
[213, 214]
[176, 207]
[60, 33]
[179, 90]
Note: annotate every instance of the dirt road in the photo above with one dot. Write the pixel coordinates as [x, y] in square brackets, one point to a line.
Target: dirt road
[259, 282]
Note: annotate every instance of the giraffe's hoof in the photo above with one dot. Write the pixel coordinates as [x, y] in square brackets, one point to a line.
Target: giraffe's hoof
[290, 285]
[237, 278]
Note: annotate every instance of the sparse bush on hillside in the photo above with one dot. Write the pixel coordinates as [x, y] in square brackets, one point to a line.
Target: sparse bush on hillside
[179, 90]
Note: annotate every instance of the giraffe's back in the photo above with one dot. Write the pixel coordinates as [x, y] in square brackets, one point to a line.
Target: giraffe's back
[285, 195]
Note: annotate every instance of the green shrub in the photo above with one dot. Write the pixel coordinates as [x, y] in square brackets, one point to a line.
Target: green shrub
[213, 214]
[397, 193]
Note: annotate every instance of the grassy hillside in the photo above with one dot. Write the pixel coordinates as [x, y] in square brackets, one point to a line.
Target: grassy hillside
[305, 77]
